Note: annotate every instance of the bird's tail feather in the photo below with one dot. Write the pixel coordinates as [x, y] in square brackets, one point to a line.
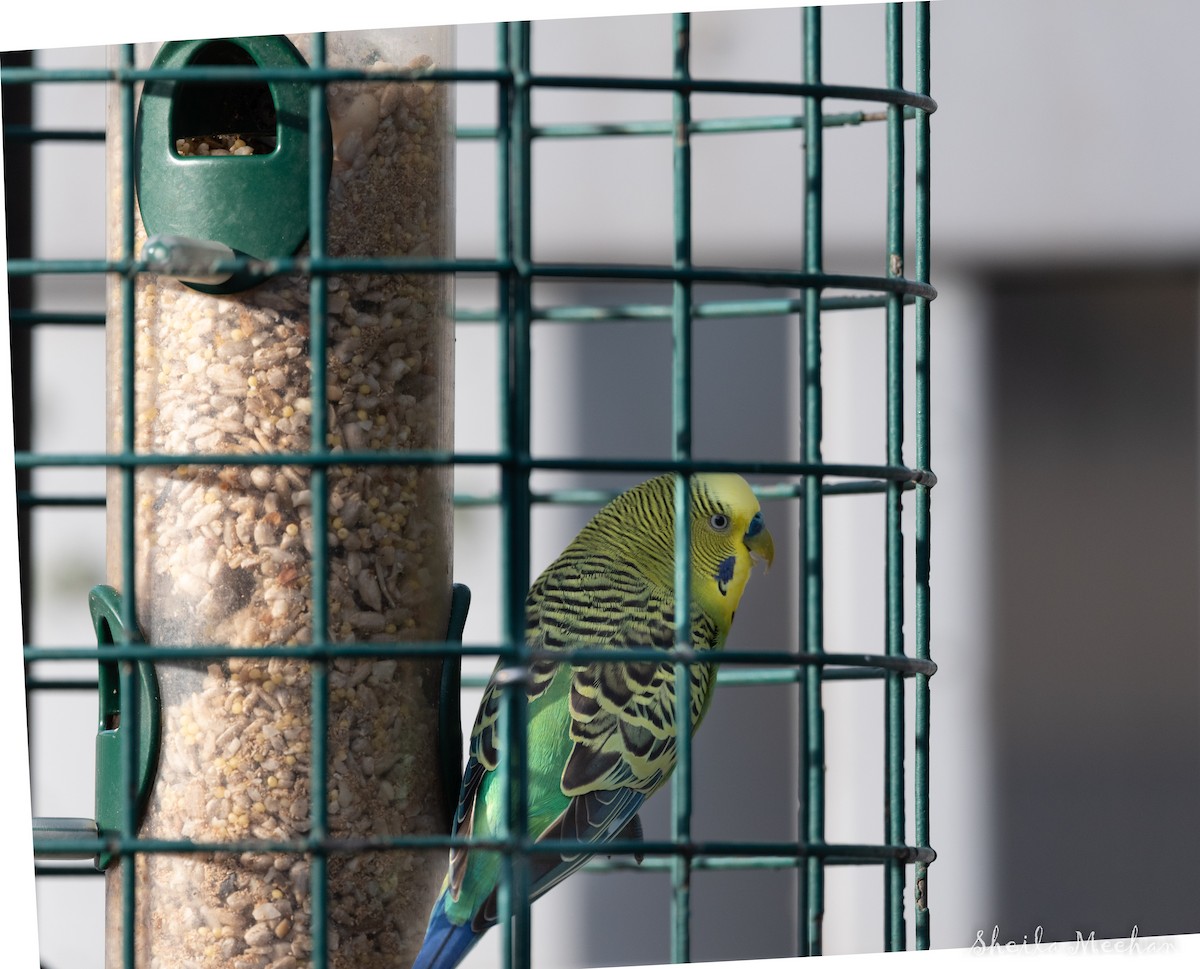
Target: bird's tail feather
[445, 942]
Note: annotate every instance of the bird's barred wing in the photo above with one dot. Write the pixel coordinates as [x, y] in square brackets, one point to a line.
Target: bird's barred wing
[622, 713]
[622, 724]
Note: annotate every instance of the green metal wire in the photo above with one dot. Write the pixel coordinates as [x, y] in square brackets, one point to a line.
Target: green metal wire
[28, 134]
[712, 309]
[725, 854]
[811, 294]
[564, 496]
[923, 410]
[515, 235]
[681, 449]
[868, 663]
[812, 724]
[128, 738]
[319, 670]
[894, 779]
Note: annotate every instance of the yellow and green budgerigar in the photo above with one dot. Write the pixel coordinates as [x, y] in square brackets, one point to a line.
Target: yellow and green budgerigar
[601, 736]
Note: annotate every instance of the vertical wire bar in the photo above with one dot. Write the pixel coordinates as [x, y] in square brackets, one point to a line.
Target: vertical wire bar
[506, 98]
[125, 686]
[894, 870]
[812, 723]
[515, 529]
[923, 496]
[18, 188]
[18, 213]
[504, 287]
[319, 676]
[681, 417]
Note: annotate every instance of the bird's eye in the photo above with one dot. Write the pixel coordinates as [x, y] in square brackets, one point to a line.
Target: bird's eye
[719, 522]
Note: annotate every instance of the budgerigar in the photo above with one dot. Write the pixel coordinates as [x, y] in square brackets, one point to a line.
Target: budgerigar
[601, 736]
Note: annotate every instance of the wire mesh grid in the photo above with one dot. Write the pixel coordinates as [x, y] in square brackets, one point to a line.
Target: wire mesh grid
[903, 665]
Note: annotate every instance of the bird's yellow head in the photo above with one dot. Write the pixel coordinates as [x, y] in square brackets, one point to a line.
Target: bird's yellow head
[727, 535]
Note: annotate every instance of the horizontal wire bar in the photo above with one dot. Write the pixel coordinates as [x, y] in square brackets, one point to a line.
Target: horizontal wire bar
[795, 89]
[858, 487]
[29, 459]
[562, 496]
[264, 267]
[747, 125]
[795, 279]
[597, 865]
[202, 652]
[44, 870]
[47, 267]
[581, 496]
[711, 274]
[769, 677]
[28, 499]
[685, 85]
[223, 74]
[28, 133]
[400, 649]
[601, 865]
[737, 125]
[844, 853]
[55, 318]
[726, 676]
[704, 126]
[715, 309]
[765, 677]
[50, 685]
[649, 312]
[600, 496]
[833, 854]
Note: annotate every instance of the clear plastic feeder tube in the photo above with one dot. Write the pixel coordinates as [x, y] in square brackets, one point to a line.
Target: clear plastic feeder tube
[223, 553]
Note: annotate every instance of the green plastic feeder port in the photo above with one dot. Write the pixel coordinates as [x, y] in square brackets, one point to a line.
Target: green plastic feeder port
[223, 166]
[105, 605]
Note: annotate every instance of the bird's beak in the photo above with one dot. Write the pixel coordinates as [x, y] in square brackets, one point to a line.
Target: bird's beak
[759, 541]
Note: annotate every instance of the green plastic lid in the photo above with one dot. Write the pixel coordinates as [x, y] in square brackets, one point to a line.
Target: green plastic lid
[255, 204]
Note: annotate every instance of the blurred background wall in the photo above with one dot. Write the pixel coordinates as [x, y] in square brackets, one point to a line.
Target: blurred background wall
[1066, 252]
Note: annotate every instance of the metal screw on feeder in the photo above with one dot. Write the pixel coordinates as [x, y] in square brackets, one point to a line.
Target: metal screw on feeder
[284, 551]
[195, 261]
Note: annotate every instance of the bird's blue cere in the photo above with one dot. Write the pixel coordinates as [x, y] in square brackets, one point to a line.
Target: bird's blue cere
[755, 526]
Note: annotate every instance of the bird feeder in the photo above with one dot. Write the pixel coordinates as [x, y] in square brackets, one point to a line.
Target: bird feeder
[223, 553]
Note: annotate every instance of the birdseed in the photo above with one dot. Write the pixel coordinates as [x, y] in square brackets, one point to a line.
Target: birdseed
[223, 554]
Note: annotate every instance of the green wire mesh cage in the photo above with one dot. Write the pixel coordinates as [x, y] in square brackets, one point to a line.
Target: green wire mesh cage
[524, 284]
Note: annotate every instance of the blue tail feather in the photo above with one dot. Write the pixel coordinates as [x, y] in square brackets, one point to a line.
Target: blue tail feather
[445, 942]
